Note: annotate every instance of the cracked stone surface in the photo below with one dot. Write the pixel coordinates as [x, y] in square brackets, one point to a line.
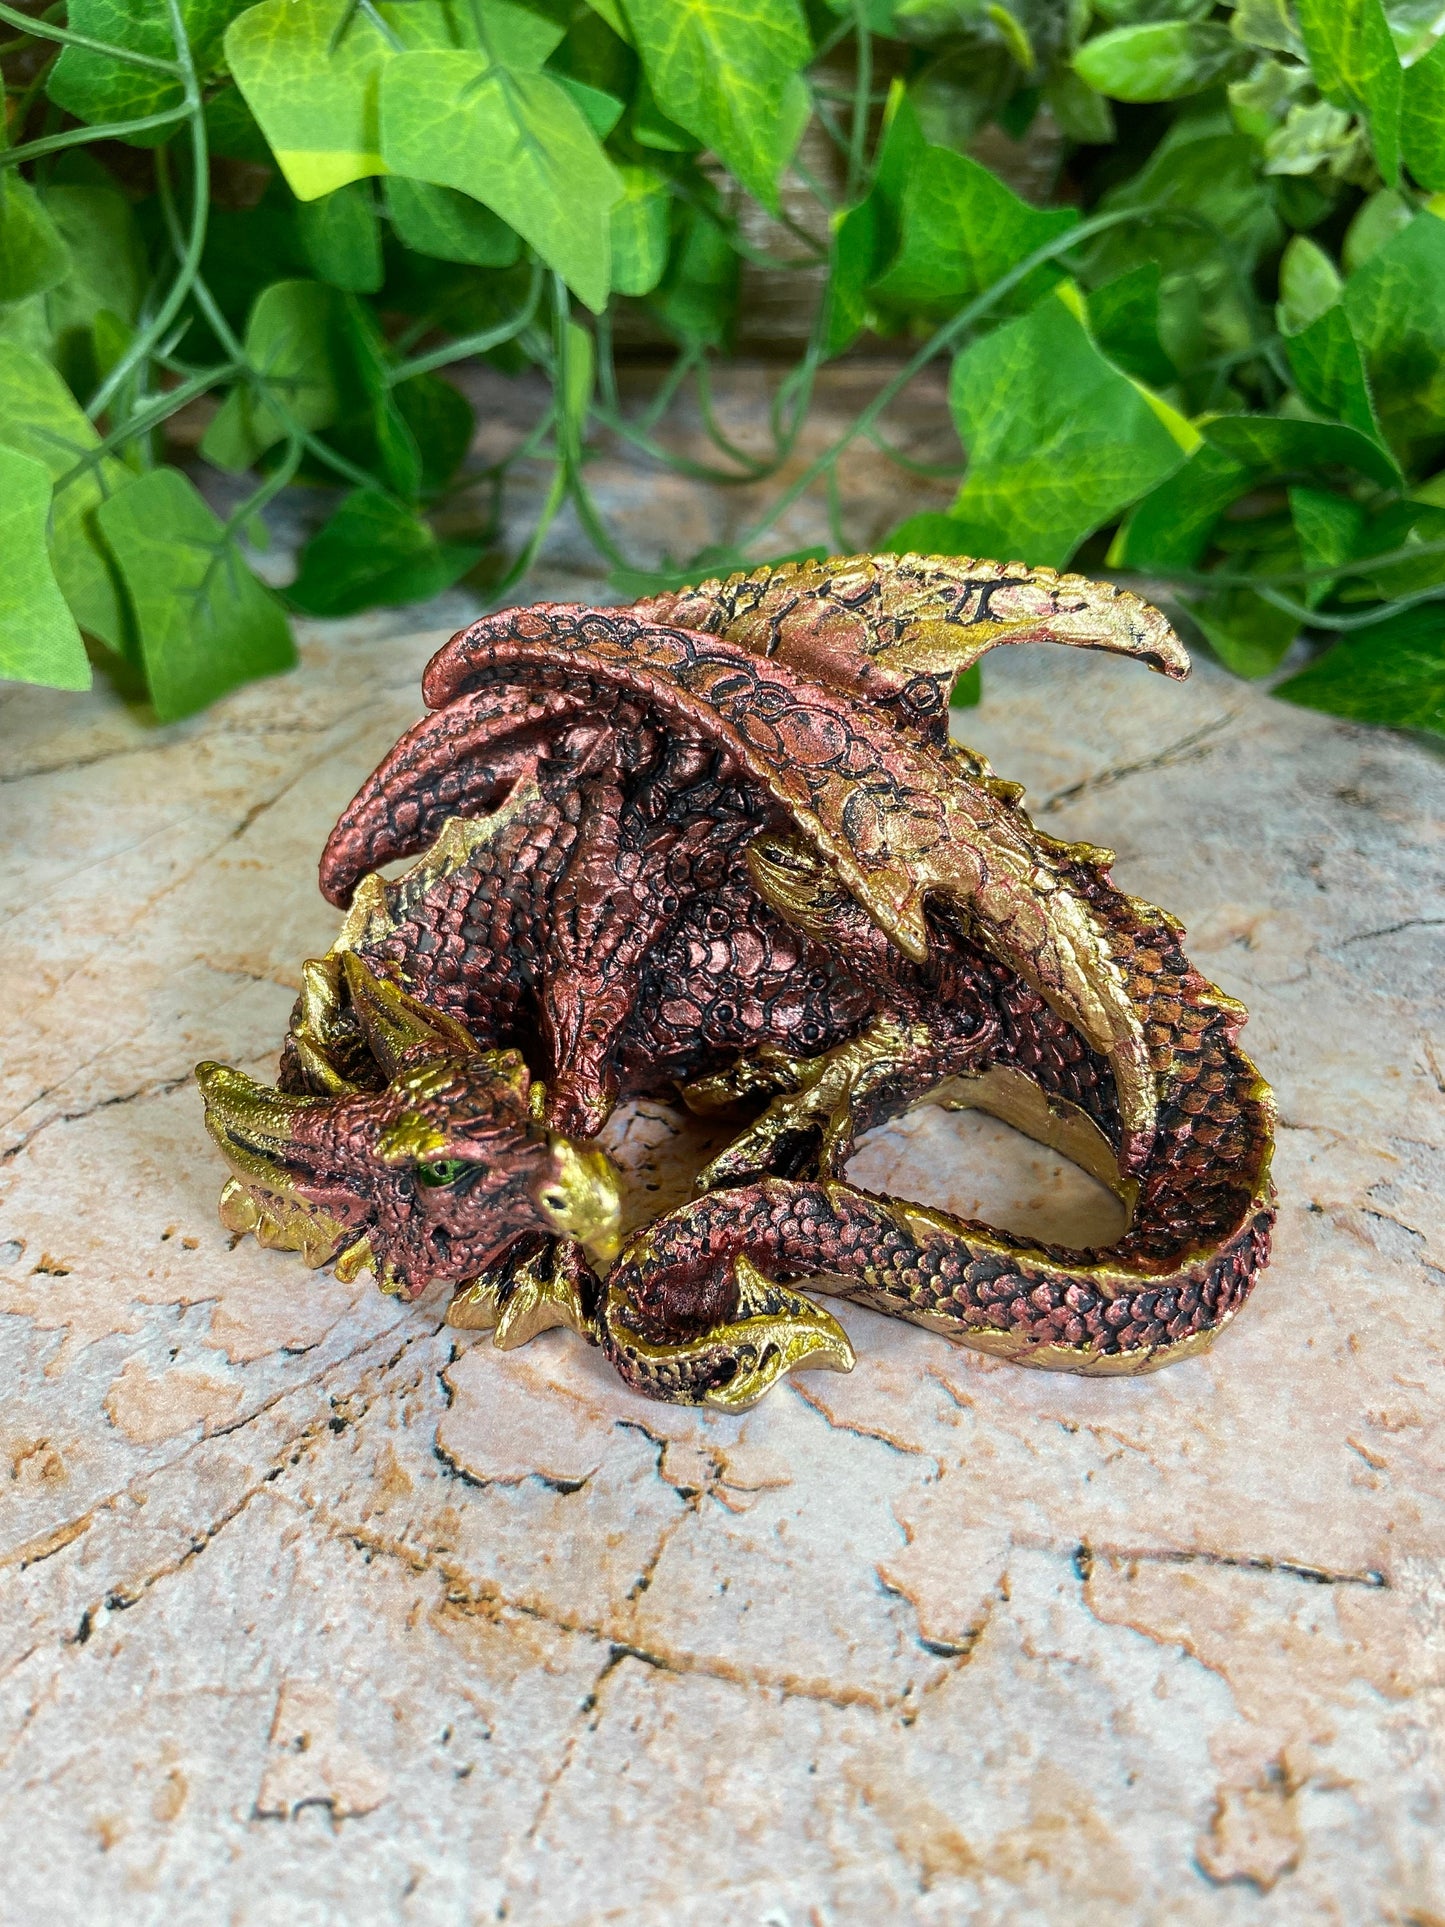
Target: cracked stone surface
[314, 1610]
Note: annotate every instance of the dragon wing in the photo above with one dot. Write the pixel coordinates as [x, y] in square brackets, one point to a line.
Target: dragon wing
[900, 629]
[879, 804]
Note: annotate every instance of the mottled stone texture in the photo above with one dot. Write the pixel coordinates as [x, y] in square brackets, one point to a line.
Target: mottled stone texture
[315, 1610]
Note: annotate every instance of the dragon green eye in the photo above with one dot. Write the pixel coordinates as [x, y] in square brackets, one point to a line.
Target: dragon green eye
[447, 1171]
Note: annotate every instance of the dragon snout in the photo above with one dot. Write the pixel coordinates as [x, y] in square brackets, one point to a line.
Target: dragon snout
[577, 1194]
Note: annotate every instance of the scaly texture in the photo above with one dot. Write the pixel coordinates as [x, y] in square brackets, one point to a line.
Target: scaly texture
[719, 843]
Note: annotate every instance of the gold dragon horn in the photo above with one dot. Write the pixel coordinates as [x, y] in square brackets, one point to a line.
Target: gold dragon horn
[396, 1025]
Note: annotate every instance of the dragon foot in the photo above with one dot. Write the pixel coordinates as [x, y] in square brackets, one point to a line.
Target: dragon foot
[733, 1363]
[549, 1285]
[810, 1129]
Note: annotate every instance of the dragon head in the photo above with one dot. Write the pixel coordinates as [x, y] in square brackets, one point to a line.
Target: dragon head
[431, 1177]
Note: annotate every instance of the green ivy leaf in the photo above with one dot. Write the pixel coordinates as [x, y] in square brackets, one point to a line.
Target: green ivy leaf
[640, 230]
[1268, 24]
[698, 295]
[600, 110]
[1309, 283]
[39, 641]
[1248, 634]
[1396, 306]
[374, 551]
[514, 141]
[1422, 122]
[205, 623]
[94, 87]
[1278, 444]
[1326, 362]
[866, 237]
[1170, 528]
[1124, 320]
[291, 340]
[1328, 528]
[962, 229]
[727, 71]
[340, 238]
[1406, 525]
[311, 75]
[449, 226]
[1058, 440]
[1355, 64]
[39, 418]
[1158, 60]
[441, 423]
[33, 254]
[1393, 672]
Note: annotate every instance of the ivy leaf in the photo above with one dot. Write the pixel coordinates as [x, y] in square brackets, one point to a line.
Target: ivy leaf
[1157, 60]
[39, 641]
[1170, 528]
[374, 551]
[441, 423]
[1278, 444]
[726, 70]
[1309, 283]
[1396, 306]
[1058, 440]
[866, 237]
[600, 110]
[39, 418]
[1422, 121]
[1328, 527]
[105, 279]
[1406, 525]
[1124, 320]
[1392, 672]
[291, 340]
[1326, 362]
[205, 623]
[962, 229]
[311, 74]
[514, 141]
[698, 295]
[340, 239]
[1248, 634]
[33, 254]
[94, 87]
[640, 230]
[449, 226]
[1355, 65]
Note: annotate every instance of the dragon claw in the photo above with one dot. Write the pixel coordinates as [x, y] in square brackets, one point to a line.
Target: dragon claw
[516, 1301]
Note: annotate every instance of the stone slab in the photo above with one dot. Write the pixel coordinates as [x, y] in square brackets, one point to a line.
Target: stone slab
[315, 1610]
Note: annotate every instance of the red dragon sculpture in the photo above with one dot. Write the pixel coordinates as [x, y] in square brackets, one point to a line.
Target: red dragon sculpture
[719, 844]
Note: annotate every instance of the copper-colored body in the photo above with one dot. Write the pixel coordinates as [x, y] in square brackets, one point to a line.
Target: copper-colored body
[720, 844]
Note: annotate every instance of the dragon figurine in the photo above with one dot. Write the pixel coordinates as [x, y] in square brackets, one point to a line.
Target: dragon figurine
[719, 845]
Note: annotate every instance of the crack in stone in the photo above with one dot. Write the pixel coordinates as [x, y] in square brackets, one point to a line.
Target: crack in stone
[1085, 1555]
[1391, 929]
[875, 1434]
[468, 1593]
[1188, 748]
[156, 1088]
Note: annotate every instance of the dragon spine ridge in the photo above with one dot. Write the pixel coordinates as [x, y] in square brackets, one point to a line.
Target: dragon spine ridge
[720, 844]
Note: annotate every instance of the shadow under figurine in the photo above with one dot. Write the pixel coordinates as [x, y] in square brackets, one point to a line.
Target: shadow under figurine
[720, 845]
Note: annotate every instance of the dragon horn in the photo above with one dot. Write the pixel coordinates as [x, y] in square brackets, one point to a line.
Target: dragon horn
[254, 1125]
[396, 1025]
